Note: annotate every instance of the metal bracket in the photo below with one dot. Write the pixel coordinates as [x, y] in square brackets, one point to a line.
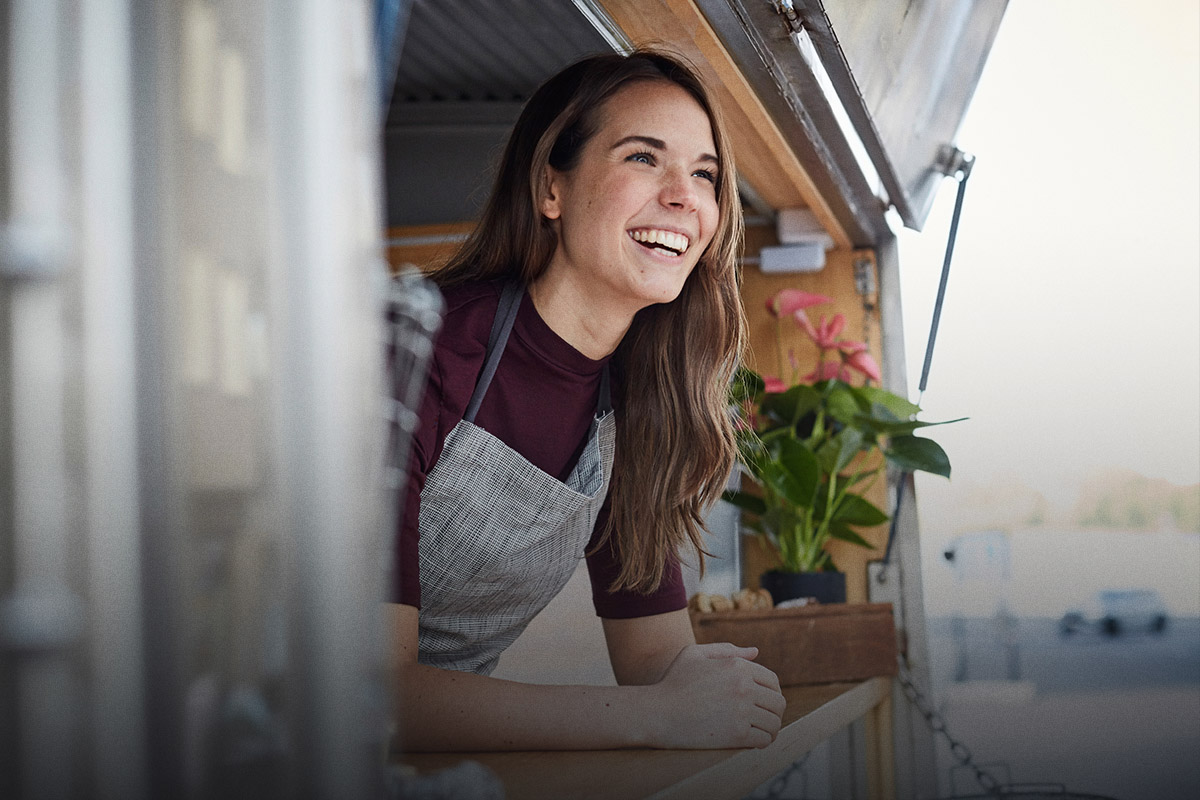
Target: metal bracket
[951, 161]
[787, 11]
[864, 277]
[594, 12]
[881, 588]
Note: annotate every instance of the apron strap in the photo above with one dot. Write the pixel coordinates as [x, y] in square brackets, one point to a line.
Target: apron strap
[604, 402]
[502, 325]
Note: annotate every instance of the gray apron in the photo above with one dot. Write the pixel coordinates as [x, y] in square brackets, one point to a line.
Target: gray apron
[498, 536]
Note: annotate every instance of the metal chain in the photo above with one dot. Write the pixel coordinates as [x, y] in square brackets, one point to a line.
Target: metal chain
[865, 286]
[937, 723]
[779, 782]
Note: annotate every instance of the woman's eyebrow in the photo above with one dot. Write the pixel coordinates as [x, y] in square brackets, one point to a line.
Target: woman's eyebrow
[650, 141]
[659, 144]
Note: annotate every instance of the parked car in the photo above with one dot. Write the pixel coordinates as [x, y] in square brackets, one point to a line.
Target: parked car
[1116, 611]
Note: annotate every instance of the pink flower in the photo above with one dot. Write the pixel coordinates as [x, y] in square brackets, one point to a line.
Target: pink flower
[804, 323]
[862, 361]
[786, 301]
[830, 332]
[849, 348]
[827, 371]
[773, 385]
[825, 334]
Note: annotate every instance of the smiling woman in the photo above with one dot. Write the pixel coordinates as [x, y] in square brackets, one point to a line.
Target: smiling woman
[577, 406]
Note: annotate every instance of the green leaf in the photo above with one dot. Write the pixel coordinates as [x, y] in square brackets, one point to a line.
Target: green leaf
[744, 501]
[842, 404]
[827, 455]
[860, 477]
[850, 442]
[912, 453]
[773, 521]
[752, 526]
[836, 453]
[746, 384]
[751, 452]
[803, 471]
[787, 407]
[777, 482]
[854, 510]
[895, 404]
[896, 427]
[840, 531]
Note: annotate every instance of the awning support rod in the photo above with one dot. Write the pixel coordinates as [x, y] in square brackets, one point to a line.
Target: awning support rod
[956, 164]
[959, 164]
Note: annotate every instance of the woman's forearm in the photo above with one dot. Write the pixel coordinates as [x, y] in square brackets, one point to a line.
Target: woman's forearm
[444, 710]
[712, 696]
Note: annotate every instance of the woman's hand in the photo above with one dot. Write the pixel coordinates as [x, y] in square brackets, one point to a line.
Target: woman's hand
[715, 696]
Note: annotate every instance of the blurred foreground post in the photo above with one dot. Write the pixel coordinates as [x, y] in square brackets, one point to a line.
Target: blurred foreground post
[193, 525]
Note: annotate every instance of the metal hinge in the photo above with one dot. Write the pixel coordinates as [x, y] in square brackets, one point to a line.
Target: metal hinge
[951, 161]
[787, 12]
[595, 13]
[864, 277]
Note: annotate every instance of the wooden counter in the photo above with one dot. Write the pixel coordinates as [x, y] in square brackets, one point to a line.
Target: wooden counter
[814, 713]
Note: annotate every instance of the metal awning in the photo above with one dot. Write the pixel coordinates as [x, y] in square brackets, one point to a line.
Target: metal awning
[867, 96]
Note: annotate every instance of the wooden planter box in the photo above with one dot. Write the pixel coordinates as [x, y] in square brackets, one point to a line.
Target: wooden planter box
[812, 644]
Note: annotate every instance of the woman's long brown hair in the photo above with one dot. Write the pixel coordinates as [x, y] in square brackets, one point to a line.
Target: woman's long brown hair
[675, 442]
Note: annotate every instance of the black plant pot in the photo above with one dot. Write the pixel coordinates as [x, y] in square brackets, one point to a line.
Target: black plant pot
[826, 587]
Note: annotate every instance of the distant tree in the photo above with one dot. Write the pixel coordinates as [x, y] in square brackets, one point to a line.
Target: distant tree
[1125, 500]
[1185, 508]
[1037, 514]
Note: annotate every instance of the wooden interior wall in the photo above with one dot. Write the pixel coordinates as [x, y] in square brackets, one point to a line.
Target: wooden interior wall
[429, 245]
[835, 280]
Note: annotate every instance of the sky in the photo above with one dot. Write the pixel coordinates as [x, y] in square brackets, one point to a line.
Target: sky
[1071, 330]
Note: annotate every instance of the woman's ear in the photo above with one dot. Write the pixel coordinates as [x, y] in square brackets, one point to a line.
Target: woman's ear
[551, 193]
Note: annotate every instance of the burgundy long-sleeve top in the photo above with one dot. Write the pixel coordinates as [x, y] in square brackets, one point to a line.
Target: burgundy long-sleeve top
[540, 403]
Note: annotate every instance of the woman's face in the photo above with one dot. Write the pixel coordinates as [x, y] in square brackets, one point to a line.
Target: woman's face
[640, 206]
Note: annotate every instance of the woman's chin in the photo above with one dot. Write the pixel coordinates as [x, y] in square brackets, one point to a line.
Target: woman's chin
[665, 289]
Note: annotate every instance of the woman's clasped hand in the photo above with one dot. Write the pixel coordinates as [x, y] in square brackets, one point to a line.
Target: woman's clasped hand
[714, 695]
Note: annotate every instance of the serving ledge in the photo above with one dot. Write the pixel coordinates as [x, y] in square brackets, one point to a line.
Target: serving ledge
[814, 713]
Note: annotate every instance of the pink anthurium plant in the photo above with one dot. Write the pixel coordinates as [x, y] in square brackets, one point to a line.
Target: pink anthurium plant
[814, 444]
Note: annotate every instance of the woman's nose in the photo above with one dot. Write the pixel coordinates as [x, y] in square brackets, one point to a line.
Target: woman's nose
[678, 189]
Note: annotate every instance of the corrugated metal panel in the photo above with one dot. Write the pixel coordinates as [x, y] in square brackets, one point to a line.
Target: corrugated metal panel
[479, 52]
[464, 71]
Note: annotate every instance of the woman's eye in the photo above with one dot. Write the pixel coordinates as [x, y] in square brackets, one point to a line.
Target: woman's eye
[706, 174]
[642, 158]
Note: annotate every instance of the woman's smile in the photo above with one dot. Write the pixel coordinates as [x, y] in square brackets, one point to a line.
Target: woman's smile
[662, 241]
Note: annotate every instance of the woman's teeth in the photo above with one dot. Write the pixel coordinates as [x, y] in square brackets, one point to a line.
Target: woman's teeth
[673, 243]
